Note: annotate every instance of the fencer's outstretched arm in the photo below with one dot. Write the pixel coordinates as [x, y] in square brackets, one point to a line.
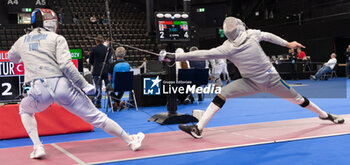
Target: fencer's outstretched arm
[201, 55]
[269, 37]
[66, 65]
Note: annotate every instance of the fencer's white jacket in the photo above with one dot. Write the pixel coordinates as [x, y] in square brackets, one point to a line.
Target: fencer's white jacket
[248, 57]
[45, 54]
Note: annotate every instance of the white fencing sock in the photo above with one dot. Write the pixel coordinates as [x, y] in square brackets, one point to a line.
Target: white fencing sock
[114, 128]
[314, 108]
[306, 103]
[29, 123]
[208, 114]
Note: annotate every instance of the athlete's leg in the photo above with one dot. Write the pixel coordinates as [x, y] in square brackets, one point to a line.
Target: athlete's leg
[38, 99]
[216, 75]
[322, 71]
[226, 74]
[78, 103]
[283, 90]
[237, 88]
[98, 95]
[213, 107]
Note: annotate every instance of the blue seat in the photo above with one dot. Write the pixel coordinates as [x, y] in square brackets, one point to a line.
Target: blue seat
[124, 81]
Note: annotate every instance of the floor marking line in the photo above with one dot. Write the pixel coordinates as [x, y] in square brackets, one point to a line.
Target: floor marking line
[250, 136]
[311, 137]
[218, 148]
[68, 154]
[178, 153]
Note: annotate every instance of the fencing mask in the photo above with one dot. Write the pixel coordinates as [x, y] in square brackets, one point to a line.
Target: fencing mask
[235, 30]
[193, 48]
[45, 18]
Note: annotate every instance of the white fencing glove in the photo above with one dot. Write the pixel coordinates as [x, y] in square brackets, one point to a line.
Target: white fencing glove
[166, 56]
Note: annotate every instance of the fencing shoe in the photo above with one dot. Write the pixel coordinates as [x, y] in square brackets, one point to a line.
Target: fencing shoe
[38, 153]
[192, 130]
[334, 118]
[135, 144]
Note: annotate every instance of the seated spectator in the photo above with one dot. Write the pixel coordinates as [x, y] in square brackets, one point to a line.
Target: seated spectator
[119, 66]
[103, 20]
[301, 54]
[93, 19]
[75, 18]
[60, 15]
[326, 68]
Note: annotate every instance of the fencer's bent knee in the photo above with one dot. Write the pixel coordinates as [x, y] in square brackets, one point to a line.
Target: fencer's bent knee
[22, 112]
[218, 101]
[28, 105]
[305, 103]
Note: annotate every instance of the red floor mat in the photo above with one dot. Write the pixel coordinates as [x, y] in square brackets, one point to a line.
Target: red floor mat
[54, 120]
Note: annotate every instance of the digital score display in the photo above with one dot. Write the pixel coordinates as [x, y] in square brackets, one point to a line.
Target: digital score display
[172, 29]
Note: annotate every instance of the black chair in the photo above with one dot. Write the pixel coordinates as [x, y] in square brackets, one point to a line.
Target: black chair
[332, 74]
[198, 77]
[123, 81]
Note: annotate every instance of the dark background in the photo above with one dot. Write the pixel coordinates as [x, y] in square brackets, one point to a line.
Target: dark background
[323, 26]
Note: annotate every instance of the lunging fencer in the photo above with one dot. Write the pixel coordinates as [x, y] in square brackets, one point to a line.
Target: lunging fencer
[53, 78]
[243, 49]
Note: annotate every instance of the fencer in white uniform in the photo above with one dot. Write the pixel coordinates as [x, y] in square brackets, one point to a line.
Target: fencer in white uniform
[219, 66]
[243, 49]
[53, 78]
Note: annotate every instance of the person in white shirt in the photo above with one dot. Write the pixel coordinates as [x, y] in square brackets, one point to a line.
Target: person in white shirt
[243, 49]
[54, 78]
[219, 66]
[93, 19]
[326, 68]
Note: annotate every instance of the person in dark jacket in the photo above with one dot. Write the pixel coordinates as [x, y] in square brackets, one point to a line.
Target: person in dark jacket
[292, 56]
[97, 60]
[347, 55]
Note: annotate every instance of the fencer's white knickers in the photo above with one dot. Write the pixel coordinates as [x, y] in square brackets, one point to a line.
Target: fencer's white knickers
[65, 94]
[270, 82]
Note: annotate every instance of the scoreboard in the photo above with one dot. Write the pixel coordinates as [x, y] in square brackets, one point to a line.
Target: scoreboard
[172, 27]
[12, 75]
